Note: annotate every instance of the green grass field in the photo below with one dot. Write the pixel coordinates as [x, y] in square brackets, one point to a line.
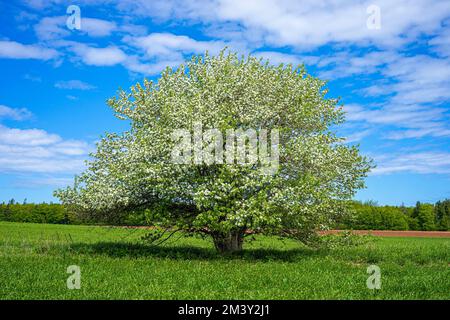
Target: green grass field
[116, 265]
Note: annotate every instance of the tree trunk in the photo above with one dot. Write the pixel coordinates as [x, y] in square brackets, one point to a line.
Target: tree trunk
[231, 242]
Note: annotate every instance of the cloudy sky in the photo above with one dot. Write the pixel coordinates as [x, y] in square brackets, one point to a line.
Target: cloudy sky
[388, 60]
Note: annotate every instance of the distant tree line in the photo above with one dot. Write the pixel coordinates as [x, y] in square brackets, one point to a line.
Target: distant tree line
[424, 216]
[366, 216]
[53, 213]
[37, 213]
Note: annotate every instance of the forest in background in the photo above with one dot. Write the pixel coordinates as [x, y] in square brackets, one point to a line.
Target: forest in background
[366, 216]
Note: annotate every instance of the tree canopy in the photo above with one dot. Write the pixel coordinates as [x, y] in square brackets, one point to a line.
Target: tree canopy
[315, 170]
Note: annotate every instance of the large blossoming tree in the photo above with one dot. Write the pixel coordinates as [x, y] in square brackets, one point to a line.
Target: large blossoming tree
[135, 170]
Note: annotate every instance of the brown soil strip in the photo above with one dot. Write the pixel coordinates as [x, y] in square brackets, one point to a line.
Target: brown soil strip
[389, 233]
[378, 233]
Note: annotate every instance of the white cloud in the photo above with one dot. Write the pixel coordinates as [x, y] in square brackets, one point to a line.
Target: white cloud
[53, 28]
[441, 42]
[135, 65]
[35, 150]
[358, 136]
[27, 137]
[157, 51]
[107, 56]
[308, 23]
[14, 113]
[419, 162]
[277, 58]
[50, 28]
[74, 84]
[170, 45]
[163, 10]
[97, 27]
[413, 79]
[16, 50]
[112, 55]
[40, 180]
[25, 16]
[405, 115]
[344, 64]
[40, 4]
[415, 92]
[302, 24]
[420, 79]
[419, 121]
[412, 94]
[436, 130]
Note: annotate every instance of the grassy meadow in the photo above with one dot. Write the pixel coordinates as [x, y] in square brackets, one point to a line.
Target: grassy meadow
[115, 264]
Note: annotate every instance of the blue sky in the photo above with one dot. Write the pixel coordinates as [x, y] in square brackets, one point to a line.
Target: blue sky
[389, 61]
